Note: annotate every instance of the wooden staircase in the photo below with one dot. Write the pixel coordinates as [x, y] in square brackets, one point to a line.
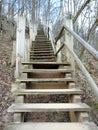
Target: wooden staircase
[44, 76]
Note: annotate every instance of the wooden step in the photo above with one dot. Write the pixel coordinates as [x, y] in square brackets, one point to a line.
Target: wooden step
[41, 36]
[46, 91]
[42, 57]
[46, 65]
[51, 126]
[42, 60]
[46, 80]
[42, 47]
[42, 44]
[42, 39]
[47, 71]
[48, 107]
[41, 54]
[42, 51]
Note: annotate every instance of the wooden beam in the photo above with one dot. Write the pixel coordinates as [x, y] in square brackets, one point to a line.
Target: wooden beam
[61, 47]
[59, 35]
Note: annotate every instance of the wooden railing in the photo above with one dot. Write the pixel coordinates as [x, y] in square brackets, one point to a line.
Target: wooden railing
[89, 48]
[86, 45]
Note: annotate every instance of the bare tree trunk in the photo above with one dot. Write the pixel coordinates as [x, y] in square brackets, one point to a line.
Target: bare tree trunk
[48, 12]
[0, 7]
[33, 11]
[22, 10]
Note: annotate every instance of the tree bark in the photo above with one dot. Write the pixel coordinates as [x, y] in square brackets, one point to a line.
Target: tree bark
[80, 10]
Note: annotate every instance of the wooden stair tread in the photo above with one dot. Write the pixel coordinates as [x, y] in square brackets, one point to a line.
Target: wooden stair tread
[42, 45]
[45, 80]
[43, 60]
[46, 63]
[47, 70]
[39, 47]
[51, 126]
[43, 51]
[47, 91]
[41, 54]
[48, 107]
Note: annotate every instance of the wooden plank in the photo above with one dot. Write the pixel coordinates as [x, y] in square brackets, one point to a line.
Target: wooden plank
[44, 56]
[45, 80]
[43, 51]
[46, 63]
[46, 70]
[46, 91]
[83, 117]
[59, 49]
[51, 126]
[48, 107]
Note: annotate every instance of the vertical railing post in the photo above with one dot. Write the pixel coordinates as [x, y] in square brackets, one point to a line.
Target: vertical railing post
[59, 56]
[20, 44]
[31, 34]
[69, 42]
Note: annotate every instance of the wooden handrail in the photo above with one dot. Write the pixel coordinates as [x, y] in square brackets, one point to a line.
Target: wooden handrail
[61, 47]
[90, 80]
[85, 44]
[88, 47]
[59, 35]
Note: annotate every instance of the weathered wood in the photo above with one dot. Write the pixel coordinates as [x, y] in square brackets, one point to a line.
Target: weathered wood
[85, 44]
[43, 51]
[90, 80]
[75, 98]
[48, 107]
[51, 126]
[83, 117]
[59, 35]
[13, 59]
[46, 63]
[17, 117]
[46, 91]
[71, 85]
[20, 44]
[70, 43]
[47, 70]
[59, 49]
[45, 80]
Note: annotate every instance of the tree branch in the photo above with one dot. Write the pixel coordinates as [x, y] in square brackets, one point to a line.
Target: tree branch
[95, 24]
[80, 10]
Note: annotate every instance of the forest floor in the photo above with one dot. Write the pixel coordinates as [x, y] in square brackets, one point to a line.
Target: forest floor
[7, 77]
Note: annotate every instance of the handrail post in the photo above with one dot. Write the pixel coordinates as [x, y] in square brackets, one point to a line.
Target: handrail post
[31, 34]
[20, 44]
[59, 56]
[69, 42]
